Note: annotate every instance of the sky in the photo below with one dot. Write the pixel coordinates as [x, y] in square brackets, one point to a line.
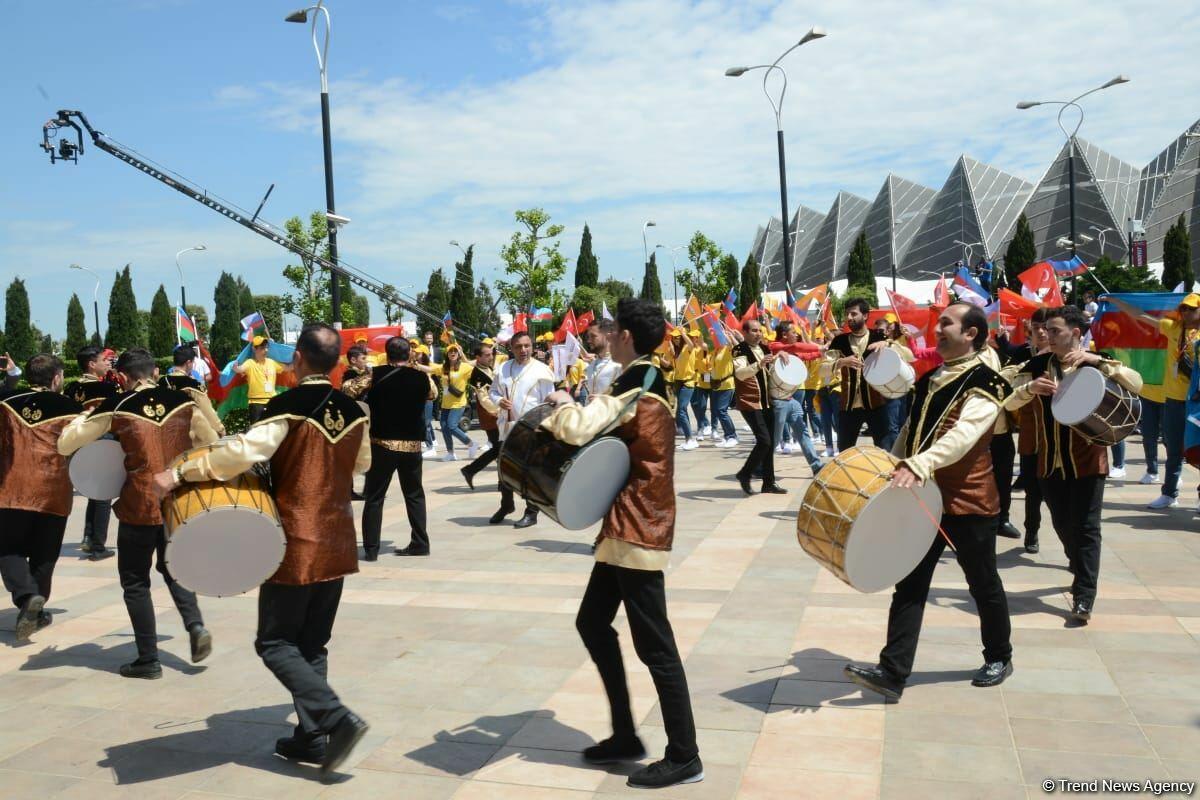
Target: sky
[449, 116]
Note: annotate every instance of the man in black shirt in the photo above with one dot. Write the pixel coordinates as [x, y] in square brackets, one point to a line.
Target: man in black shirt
[90, 390]
[396, 397]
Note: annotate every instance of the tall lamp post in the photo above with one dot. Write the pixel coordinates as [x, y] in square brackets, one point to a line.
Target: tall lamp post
[674, 272]
[777, 106]
[178, 266]
[95, 297]
[301, 16]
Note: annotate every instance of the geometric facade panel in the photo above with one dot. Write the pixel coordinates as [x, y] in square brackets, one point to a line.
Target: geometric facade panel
[998, 198]
[894, 219]
[830, 251]
[1155, 174]
[805, 226]
[951, 218]
[1180, 196]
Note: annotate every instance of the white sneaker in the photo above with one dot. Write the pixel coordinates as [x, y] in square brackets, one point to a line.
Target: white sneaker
[690, 444]
[717, 436]
[706, 430]
[746, 428]
[730, 443]
[472, 451]
[1149, 478]
[1116, 472]
[429, 454]
[1163, 501]
[789, 448]
[450, 457]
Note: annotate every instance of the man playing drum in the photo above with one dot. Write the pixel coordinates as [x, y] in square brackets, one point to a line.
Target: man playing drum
[482, 376]
[1070, 469]
[90, 391]
[789, 411]
[751, 366]
[946, 439]
[859, 402]
[179, 377]
[633, 549]
[315, 439]
[153, 426]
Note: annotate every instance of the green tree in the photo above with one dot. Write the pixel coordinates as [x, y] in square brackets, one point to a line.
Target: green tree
[489, 315]
[359, 308]
[143, 320]
[867, 292]
[729, 267]
[651, 288]
[18, 333]
[271, 306]
[225, 340]
[124, 326]
[391, 304]
[595, 298]
[861, 270]
[463, 308]
[46, 343]
[436, 300]
[615, 289]
[77, 335]
[1177, 257]
[751, 285]
[246, 304]
[533, 260]
[707, 278]
[1021, 253]
[199, 315]
[162, 324]
[310, 295]
[1117, 278]
[587, 268]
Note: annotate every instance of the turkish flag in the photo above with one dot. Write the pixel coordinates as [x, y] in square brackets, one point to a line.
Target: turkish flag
[568, 326]
[584, 321]
[1042, 284]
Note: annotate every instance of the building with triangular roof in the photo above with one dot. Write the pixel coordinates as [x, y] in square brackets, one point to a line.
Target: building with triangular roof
[803, 230]
[1179, 196]
[830, 250]
[894, 219]
[1155, 174]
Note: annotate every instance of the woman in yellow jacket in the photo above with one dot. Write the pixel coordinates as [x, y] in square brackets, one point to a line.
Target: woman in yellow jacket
[454, 371]
[721, 386]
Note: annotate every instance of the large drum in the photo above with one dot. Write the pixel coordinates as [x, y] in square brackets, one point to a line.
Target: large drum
[793, 372]
[860, 527]
[98, 469]
[888, 373]
[1096, 407]
[222, 538]
[575, 486]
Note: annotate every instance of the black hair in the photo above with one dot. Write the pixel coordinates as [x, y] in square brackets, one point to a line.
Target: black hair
[321, 345]
[973, 317]
[86, 356]
[479, 348]
[645, 322]
[781, 328]
[137, 363]
[1072, 316]
[397, 349]
[606, 326]
[1039, 315]
[41, 370]
[182, 355]
[355, 351]
[518, 335]
[857, 302]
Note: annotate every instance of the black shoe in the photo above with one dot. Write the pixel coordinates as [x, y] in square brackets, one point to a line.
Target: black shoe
[527, 521]
[147, 670]
[1008, 530]
[469, 477]
[410, 551]
[774, 488]
[201, 643]
[662, 774]
[613, 750]
[993, 673]
[356, 496]
[342, 739]
[745, 484]
[27, 617]
[99, 553]
[309, 751]
[44, 620]
[499, 516]
[85, 546]
[875, 679]
[370, 555]
[1031, 546]
[1081, 611]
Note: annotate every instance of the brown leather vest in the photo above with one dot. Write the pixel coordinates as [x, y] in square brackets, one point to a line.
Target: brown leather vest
[33, 476]
[750, 394]
[1079, 458]
[151, 442]
[1026, 431]
[968, 486]
[644, 511]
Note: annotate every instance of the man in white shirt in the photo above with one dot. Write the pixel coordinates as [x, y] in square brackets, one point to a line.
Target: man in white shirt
[601, 369]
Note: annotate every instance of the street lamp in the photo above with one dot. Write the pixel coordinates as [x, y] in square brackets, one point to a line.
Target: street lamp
[674, 272]
[969, 248]
[777, 106]
[1100, 234]
[182, 290]
[301, 16]
[95, 296]
[645, 249]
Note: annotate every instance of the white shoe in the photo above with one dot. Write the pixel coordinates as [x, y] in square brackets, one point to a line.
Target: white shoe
[789, 448]
[1163, 501]
[706, 430]
[450, 457]
[746, 428]
[429, 455]
[1116, 472]
[717, 435]
[828, 453]
[731, 442]
[690, 444]
[472, 451]
[1149, 478]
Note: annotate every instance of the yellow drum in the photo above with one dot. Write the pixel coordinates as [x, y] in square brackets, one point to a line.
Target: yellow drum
[222, 538]
[861, 528]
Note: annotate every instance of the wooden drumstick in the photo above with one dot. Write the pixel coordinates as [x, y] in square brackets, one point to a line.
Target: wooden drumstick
[936, 522]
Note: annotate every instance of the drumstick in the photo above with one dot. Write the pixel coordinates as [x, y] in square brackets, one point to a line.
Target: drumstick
[936, 522]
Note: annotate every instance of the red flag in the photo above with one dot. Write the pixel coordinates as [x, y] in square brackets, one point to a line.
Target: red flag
[732, 322]
[520, 322]
[584, 321]
[1040, 282]
[568, 326]
[751, 312]
[941, 293]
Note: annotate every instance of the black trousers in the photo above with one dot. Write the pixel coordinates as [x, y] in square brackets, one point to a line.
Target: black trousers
[95, 522]
[385, 463]
[30, 542]
[1003, 452]
[487, 457]
[762, 455]
[849, 423]
[974, 538]
[1033, 497]
[294, 625]
[1075, 513]
[255, 411]
[644, 596]
[137, 547]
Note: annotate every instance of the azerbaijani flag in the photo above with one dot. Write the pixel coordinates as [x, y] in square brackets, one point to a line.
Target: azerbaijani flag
[1137, 346]
[540, 314]
[254, 325]
[1069, 268]
[968, 290]
[185, 329]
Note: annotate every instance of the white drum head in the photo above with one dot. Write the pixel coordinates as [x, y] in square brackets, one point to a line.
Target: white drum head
[597, 474]
[98, 470]
[1078, 395]
[793, 373]
[882, 366]
[225, 551]
[890, 537]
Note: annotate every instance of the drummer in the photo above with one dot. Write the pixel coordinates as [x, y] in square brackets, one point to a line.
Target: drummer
[789, 411]
[90, 390]
[946, 439]
[179, 377]
[751, 365]
[859, 402]
[480, 381]
[1070, 469]
[153, 425]
[35, 489]
[315, 439]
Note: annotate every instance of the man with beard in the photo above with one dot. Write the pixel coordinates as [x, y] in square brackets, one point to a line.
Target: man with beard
[751, 365]
[480, 382]
[860, 403]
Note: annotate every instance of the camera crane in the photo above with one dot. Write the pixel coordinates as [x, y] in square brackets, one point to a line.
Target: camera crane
[67, 150]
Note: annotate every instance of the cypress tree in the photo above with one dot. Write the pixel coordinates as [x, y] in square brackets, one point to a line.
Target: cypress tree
[124, 327]
[225, 336]
[245, 299]
[861, 270]
[360, 306]
[751, 285]
[651, 288]
[271, 307]
[77, 335]
[143, 317]
[19, 339]
[1021, 253]
[1177, 257]
[199, 316]
[729, 271]
[488, 320]
[436, 300]
[162, 324]
[587, 268]
[463, 307]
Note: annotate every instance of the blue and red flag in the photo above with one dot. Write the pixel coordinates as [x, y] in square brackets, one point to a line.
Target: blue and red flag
[968, 290]
[1069, 268]
[731, 301]
[540, 314]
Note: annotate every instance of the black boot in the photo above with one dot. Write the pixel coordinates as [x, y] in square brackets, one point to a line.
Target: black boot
[342, 739]
[875, 679]
[201, 641]
[27, 617]
[308, 751]
[147, 670]
[469, 477]
[614, 750]
[527, 521]
[499, 516]
[1008, 530]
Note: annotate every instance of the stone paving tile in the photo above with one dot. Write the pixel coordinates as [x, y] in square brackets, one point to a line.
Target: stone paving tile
[468, 667]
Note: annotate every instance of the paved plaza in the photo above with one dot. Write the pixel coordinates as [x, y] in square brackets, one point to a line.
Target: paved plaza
[472, 677]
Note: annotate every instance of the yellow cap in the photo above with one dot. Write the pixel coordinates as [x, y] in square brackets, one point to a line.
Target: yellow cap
[360, 338]
[1191, 301]
[414, 342]
[890, 317]
[693, 332]
[677, 331]
[489, 341]
[259, 341]
[422, 349]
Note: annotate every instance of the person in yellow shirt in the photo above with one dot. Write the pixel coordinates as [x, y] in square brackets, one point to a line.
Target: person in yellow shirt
[701, 368]
[720, 383]
[454, 373]
[684, 379]
[261, 375]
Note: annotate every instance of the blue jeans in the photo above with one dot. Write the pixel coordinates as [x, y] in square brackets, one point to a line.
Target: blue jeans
[1118, 455]
[895, 415]
[700, 406]
[1151, 425]
[1174, 417]
[829, 416]
[810, 411]
[789, 415]
[721, 401]
[450, 417]
[429, 440]
[683, 396]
